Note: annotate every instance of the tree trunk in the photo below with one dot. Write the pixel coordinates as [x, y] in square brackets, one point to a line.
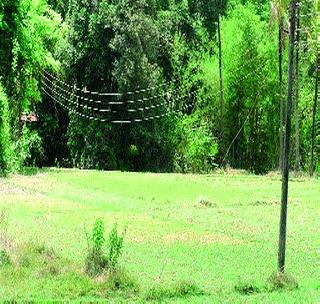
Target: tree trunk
[280, 94]
[296, 112]
[314, 112]
[221, 88]
[285, 172]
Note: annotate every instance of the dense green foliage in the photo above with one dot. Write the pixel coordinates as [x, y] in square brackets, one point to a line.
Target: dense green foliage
[5, 141]
[29, 32]
[128, 45]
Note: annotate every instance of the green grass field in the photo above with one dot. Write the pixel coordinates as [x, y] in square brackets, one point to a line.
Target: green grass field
[171, 237]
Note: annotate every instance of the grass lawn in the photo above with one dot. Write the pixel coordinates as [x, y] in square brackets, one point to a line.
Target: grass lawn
[172, 239]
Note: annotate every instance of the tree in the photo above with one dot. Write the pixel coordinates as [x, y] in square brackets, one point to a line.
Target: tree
[221, 83]
[30, 33]
[278, 8]
[249, 77]
[296, 109]
[314, 112]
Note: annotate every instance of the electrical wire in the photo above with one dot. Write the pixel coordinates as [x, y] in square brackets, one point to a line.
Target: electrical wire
[94, 118]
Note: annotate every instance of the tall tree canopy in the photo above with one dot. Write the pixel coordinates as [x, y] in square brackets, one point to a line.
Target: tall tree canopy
[161, 58]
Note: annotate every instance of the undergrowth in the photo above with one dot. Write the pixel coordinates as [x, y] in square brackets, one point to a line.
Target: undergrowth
[178, 289]
[247, 288]
[282, 281]
[97, 260]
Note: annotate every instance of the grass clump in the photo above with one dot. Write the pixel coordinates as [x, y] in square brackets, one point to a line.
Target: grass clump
[97, 260]
[282, 281]
[119, 279]
[206, 203]
[178, 290]
[246, 288]
[4, 258]
[42, 260]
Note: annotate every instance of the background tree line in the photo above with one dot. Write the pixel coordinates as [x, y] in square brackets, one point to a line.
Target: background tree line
[122, 45]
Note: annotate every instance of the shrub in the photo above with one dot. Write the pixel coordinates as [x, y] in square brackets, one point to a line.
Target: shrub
[29, 147]
[91, 145]
[115, 247]
[97, 260]
[197, 146]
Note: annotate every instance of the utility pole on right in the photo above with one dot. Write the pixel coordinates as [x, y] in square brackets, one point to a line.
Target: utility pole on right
[285, 171]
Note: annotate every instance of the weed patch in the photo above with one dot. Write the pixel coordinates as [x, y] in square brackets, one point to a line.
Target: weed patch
[266, 203]
[121, 280]
[246, 288]
[206, 203]
[40, 259]
[4, 258]
[178, 290]
[4, 224]
[282, 281]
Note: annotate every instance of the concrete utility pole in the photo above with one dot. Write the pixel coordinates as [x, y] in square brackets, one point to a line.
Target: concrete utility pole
[285, 172]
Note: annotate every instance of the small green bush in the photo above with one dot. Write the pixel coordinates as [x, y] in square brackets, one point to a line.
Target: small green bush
[29, 147]
[115, 247]
[97, 261]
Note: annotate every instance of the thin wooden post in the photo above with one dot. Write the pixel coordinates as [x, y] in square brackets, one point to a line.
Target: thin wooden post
[285, 172]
